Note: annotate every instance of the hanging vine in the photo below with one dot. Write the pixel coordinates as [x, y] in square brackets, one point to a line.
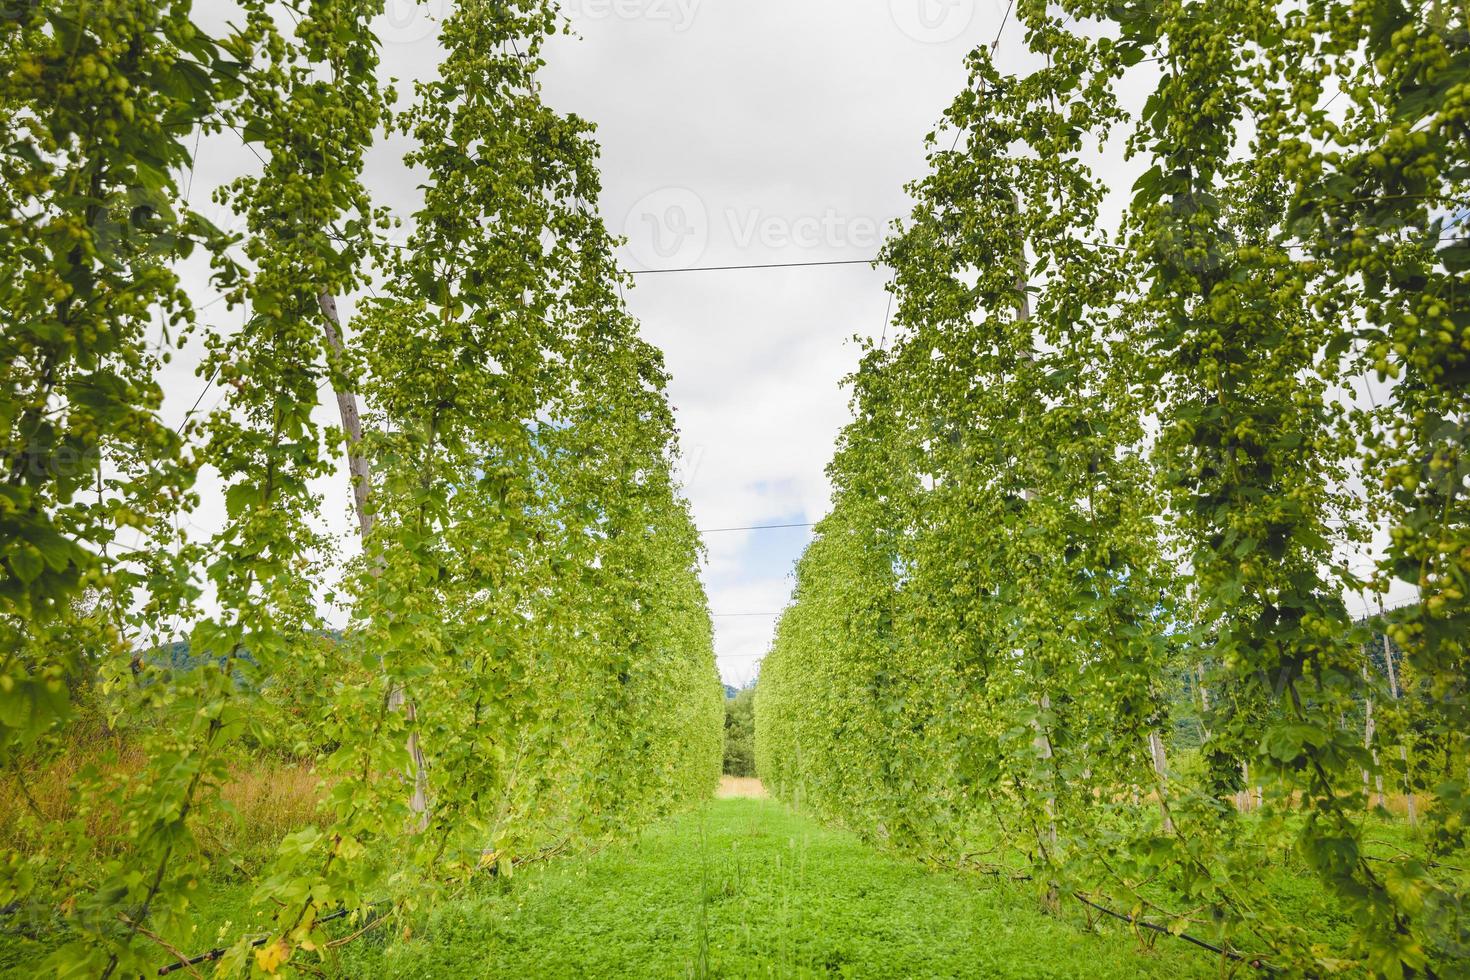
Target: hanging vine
[526, 560]
[1097, 475]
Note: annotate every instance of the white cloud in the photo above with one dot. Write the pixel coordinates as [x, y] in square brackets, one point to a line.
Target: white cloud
[800, 123]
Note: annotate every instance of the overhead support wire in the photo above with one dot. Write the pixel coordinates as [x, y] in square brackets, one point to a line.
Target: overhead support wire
[762, 265]
[1005, 19]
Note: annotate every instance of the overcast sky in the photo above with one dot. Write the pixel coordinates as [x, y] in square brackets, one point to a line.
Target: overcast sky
[733, 132]
[740, 132]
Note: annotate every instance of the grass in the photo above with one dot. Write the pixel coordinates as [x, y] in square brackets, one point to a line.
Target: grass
[746, 786]
[222, 914]
[743, 887]
[746, 888]
[264, 799]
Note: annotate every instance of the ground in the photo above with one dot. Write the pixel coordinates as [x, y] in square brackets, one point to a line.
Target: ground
[744, 887]
[735, 787]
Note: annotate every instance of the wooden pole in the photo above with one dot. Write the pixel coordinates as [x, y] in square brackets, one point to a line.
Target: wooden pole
[1370, 729]
[1161, 769]
[360, 468]
[1393, 688]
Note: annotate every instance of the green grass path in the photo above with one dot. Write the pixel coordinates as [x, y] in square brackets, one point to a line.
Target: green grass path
[746, 888]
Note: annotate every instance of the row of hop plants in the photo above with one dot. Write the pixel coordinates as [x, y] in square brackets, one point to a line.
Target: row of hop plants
[1102, 462]
[527, 655]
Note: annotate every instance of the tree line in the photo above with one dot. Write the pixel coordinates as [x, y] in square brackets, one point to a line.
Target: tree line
[1104, 463]
[527, 652]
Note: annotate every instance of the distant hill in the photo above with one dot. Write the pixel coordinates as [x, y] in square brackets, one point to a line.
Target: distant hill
[730, 692]
[177, 656]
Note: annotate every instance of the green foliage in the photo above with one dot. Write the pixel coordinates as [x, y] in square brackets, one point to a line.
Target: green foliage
[95, 100]
[1092, 465]
[740, 733]
[529, 640]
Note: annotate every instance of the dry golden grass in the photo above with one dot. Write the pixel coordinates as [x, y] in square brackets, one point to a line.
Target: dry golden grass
[270, 800]
[45, 791]
[740, 786]
[263, 801]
